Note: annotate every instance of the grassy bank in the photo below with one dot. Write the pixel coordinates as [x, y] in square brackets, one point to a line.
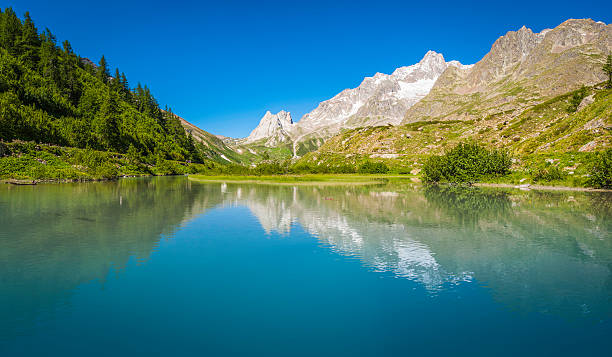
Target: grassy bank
[31, 161]
[318, 179]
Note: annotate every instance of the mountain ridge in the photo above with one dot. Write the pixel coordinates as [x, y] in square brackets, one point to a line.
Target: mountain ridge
[379, 99]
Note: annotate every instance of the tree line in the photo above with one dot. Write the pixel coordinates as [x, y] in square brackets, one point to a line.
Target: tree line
[51, 95]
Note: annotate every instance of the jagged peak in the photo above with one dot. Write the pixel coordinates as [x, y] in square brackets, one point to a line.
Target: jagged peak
[432, 56]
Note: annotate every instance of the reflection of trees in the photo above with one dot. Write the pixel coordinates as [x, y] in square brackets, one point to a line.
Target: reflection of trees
[70, 234]
[536, 251]
[468, 204]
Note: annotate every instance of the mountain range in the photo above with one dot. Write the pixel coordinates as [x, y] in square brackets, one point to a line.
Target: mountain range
[379, 100]
[522, 70]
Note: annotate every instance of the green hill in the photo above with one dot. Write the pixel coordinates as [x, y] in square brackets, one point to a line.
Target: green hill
[557, 131]
[52, 97]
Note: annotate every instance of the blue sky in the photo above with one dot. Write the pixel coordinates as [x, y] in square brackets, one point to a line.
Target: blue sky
[222, 64]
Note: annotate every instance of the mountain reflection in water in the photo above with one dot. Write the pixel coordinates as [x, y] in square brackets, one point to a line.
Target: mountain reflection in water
[536, 251]
[542, 252]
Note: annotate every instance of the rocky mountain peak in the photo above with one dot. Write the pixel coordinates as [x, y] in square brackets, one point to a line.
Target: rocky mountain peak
[433, 62]
[380, 99]
[522, 67]
[274, 128]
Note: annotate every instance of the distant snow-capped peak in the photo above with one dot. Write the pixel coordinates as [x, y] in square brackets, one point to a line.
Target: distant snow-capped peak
[382, 98]
[379, 99]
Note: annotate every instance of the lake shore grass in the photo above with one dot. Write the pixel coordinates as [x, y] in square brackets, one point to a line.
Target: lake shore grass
[306, 179]
[359, 179]
[540, 187]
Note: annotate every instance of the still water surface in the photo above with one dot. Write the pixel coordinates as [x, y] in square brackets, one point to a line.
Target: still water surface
[166, 266]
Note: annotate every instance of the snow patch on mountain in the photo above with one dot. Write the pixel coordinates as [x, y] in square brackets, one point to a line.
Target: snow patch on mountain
[380, 99]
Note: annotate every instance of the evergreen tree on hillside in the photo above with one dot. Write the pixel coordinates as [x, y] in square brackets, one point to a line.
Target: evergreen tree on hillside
[106, 123]
[607, 68]
[116, 82]
[49, 58]
[51, 95]
[29, 42]
[125, 87]
[10, 31]
[103, 72]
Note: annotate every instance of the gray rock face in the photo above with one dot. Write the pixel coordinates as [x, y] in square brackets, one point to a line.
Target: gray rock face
[521, 70]
[381, 99]
[378, 100]
[273, 128]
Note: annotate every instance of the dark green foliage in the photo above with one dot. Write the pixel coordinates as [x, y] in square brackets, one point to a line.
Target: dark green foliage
[468, 204]
[103, 72]
[50, 95]
[601, 170]
[305, 168]
[466, 162]
[548, 174]
[607, 68]
[370, 167]
[576, 99]
[4, 151]
[29, 160]
[272, 168]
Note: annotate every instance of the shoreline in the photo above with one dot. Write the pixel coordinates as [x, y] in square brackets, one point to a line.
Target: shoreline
[305, 180]
[529, 187]
[34, 182]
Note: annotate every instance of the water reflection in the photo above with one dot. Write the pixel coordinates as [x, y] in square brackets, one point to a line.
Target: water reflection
[543, 252]
[55, 237]
[536, 251]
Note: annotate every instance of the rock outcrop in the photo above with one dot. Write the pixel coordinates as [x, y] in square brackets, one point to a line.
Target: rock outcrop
[273, 128]
[378, 100]
[522, 69]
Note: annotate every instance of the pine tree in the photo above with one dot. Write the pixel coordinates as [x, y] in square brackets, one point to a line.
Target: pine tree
[72, 86]
[103, 72]
[67, 47]
[607, 68]
[116, 83]
[49, 61]
[29, 42]
[125, 87]
[106, 123]
[10, 31]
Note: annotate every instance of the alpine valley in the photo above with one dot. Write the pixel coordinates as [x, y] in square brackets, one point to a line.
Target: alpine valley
[540, 95]
[543, 97]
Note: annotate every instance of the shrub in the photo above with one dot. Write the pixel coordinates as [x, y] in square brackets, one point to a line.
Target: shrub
[601, 170]
[343, 169]
[576, 99]
[466, 162]
[107, 170]
[4, 150]
[270, 168]
[370, 167]
[549, 173]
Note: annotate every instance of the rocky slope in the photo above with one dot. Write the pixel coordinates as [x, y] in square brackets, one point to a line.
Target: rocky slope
[273, 129]
[522, 69]
[549, 132]
[523, 96]
[216, 148]
[380, 99]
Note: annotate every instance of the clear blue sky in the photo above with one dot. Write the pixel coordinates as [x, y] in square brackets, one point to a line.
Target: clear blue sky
[222, 64]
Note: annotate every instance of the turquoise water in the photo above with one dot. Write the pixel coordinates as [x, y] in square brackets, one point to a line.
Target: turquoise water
[165, 266]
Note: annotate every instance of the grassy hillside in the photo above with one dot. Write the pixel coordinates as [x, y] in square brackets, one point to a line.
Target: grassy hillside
[51, 97]
[39, 162]
[556, 132]
[214, 148]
